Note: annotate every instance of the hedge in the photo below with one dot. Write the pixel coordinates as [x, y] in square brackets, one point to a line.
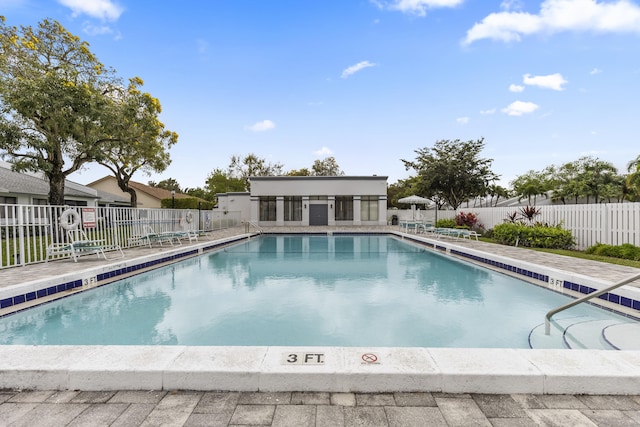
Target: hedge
[533, 236]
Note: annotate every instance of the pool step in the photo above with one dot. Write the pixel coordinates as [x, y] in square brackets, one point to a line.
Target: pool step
[588, 334]
[585, 333]
[623, 336]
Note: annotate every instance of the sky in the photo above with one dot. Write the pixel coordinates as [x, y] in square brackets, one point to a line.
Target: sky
[370, 81]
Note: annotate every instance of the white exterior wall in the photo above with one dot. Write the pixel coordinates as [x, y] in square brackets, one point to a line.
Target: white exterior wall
[235, 202]
[329, 187]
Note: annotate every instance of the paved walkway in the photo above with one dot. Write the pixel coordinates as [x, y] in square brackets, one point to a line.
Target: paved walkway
[186, 408]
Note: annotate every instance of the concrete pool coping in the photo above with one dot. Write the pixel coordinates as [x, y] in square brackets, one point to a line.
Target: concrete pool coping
[492, 371]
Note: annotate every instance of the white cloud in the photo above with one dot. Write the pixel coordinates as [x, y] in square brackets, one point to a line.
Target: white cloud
[323, 152]
[518, 108]
[557, 16]
[511, 4]
[488, 112]
[96, 30]
[355, 68]
[262, 126]
[552, 81]
[462, 120]
[516, 88]
[416, 7]
[105, 10]
[595, 71]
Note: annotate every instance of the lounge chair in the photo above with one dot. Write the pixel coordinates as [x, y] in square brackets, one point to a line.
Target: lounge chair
[79, 244]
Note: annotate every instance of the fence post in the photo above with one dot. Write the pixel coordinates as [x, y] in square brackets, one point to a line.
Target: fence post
[20, 256]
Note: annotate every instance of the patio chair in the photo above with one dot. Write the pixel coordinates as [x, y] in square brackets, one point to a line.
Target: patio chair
[78, 244]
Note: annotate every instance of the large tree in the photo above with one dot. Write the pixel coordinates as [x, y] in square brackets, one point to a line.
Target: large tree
[452, 172]
[326, 167]
[220, 181]
[633, 180]
[170, 184]
[251, 165]
[531, 185]
[52, 100]
[137, 140]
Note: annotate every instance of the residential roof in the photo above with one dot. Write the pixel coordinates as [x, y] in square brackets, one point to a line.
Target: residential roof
[26, 183]
[158, 193]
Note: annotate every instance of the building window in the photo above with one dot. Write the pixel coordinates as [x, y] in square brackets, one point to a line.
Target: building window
[293, 208]
[369, 208]
[8, 200]
[6, 211]
[268, 208]
[75, 202]
[344, 208]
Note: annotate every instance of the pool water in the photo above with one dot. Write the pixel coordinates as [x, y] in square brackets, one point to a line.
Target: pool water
[305, 290]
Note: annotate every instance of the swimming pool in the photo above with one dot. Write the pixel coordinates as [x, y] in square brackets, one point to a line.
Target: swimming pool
[365, 290]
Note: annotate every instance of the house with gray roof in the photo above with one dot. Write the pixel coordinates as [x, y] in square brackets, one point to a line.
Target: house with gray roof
[33, 189]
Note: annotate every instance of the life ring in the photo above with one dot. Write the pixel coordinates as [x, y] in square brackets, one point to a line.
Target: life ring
[188, 217]
[70, 219]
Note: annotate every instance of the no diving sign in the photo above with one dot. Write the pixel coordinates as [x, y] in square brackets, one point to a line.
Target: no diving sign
[370, 359]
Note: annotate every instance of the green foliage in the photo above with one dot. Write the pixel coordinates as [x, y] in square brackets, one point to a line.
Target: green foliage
[187, 203]
[326, 167]
[219, 181]
[531, 184]
[535, 236]
[530, 212]
[452, 172]
[52, 102]
[251, 165]
[137, 140]
[299, 172]
[167, 184]
[624, 251]
[446, 223]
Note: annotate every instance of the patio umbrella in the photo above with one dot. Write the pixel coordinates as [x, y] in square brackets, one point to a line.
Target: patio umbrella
[414, 200]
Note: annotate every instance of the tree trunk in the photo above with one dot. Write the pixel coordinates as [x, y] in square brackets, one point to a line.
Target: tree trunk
[134, 197]
[56, 188]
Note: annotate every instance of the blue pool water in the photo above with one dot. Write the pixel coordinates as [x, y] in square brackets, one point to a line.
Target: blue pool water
[366, 290]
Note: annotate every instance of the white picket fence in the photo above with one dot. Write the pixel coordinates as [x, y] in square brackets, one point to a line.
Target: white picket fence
[609, 223]
[27, 230]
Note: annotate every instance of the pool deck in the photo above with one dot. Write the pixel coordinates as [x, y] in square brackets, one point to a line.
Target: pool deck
[112, 385]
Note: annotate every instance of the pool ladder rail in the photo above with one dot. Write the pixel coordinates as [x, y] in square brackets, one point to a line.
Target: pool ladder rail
[248, 224]
[547, 318]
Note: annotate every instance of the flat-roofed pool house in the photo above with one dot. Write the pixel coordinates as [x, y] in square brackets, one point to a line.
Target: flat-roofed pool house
[318, 200]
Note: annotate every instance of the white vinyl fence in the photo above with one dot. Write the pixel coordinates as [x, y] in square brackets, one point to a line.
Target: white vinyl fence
[609, 223]
[27, 230]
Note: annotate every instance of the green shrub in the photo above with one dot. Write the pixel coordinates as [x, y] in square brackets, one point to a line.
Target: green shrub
[187, 203]
[446, 223]
[624, 251]
[533, 236]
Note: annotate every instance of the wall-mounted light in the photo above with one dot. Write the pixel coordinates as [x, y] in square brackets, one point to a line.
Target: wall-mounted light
[305, 206]
[331, 205]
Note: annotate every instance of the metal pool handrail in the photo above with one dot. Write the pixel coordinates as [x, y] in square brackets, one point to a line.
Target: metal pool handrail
[547, 319]
[250, 223]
